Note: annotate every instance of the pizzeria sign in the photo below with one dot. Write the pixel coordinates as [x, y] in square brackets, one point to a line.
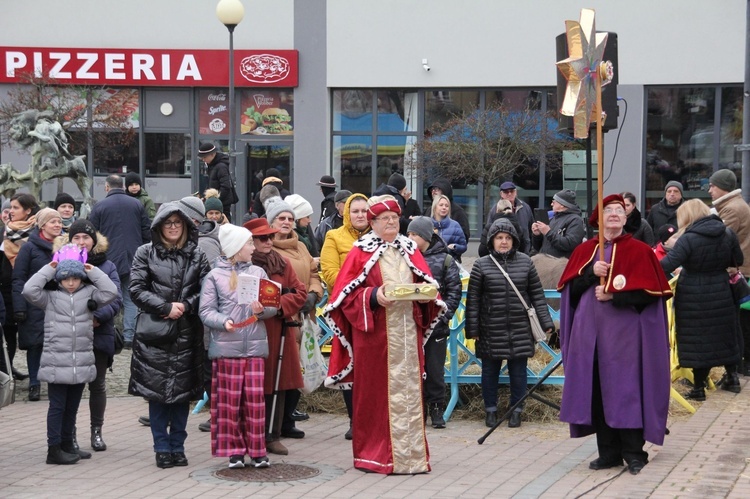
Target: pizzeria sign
[151, 67]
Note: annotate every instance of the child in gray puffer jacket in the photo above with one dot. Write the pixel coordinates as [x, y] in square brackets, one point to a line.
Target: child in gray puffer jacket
[68, 354]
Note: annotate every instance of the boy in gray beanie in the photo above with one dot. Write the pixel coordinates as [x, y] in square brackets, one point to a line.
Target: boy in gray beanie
[445, 271]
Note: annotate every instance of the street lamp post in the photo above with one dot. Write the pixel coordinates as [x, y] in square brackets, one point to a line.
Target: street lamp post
[230, 13]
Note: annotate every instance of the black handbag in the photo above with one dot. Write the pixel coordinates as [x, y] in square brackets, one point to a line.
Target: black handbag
[740, 288]
[119, 341]
[152, 329]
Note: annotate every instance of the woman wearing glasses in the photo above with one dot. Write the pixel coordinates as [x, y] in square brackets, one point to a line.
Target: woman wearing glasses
[378, 344]
[165, 284]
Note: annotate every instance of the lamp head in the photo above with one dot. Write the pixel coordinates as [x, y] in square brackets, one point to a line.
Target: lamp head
[230, 12]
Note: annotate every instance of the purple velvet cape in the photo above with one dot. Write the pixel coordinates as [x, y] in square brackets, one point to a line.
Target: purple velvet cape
[633, 355]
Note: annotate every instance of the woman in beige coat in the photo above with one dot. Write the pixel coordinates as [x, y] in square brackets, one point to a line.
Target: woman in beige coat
[280, 216]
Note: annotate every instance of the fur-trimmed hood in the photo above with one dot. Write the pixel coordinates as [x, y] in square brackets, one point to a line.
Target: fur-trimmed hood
[101, 246]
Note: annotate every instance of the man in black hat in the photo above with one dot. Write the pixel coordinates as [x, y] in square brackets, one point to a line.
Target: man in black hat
[328, 187]
[219, 177]
[335, 220]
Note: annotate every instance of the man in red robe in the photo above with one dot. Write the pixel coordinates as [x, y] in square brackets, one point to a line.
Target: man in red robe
[378, 345]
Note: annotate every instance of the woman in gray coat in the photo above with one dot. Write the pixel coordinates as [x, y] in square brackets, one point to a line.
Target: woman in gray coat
[497, 318]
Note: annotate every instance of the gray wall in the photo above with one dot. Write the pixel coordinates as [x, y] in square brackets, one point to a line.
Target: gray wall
[311, 105]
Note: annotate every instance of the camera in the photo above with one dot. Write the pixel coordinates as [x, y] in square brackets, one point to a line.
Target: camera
[425, 66]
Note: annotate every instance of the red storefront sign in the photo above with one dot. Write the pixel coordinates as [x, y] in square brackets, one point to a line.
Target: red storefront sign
[151, 67]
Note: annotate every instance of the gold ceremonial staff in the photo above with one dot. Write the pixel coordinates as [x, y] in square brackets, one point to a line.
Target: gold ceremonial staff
[586, 74]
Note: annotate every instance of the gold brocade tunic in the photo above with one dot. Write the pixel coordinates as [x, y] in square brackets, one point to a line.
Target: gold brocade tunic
[404, 374]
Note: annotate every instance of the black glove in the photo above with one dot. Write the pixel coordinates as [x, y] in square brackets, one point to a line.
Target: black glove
[312, 300]
[19, 317]
[91, 304]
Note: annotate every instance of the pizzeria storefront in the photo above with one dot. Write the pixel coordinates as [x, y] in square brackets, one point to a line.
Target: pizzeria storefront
[172, 100]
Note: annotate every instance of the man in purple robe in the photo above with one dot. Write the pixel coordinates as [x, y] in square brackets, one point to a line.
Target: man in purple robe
[615, 344]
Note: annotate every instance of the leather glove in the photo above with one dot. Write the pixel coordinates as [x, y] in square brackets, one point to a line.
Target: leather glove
[309, 305]
[19, 317]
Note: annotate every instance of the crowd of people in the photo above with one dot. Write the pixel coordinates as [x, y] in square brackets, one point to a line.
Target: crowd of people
[392, 273]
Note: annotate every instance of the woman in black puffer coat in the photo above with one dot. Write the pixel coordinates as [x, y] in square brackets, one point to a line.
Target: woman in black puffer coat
[166, 278]
[705, 312]
[496, 317]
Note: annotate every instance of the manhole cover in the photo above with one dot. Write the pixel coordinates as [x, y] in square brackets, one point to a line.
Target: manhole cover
[281, 472]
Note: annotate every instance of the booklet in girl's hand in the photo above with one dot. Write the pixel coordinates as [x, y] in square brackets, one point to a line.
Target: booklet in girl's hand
[252, 288]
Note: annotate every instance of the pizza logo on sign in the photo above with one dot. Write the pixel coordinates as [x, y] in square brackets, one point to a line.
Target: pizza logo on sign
[264, 68]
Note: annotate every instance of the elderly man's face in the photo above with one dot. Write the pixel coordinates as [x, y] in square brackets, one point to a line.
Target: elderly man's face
[673, 196]
[208, 157]
[509, 194]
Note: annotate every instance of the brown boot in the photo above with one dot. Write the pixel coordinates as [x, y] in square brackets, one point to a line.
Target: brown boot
[276, 447]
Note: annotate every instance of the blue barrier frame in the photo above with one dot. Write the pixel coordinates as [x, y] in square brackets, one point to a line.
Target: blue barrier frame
[455, 372]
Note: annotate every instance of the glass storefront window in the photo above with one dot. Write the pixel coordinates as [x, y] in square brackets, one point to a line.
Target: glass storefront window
[167, 154]
[352, 110]
[731, 131]
[352, 162]
[267, 112]
[440, 105]
[679, 140]
[260, 158]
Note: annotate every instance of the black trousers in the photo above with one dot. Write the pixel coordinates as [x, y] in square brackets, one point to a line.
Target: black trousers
[614, 443]
[290, 405]
[434, 366]
[745, 336]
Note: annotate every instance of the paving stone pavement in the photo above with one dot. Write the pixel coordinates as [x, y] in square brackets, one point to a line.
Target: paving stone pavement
[706, 456]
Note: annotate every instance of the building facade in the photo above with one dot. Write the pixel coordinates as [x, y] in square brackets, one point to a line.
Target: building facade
[340, 87]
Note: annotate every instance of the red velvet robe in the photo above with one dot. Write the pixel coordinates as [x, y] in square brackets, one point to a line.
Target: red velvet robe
[380, 350]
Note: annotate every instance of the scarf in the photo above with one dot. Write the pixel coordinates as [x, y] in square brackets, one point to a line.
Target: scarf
[16, 234]
[272, 262]
[67, 222]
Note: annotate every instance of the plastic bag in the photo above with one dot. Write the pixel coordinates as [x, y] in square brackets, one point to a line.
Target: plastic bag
[314, 369]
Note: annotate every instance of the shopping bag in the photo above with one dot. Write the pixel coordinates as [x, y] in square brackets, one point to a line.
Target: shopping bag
[314, 369]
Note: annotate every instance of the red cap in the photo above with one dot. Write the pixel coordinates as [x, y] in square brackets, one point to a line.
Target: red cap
[611, 199]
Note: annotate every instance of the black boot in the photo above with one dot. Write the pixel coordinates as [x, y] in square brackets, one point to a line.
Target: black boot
[436, 414]
[72, 448]
[731, 380]
[490, 419]
[515, 418]
[55, 455]
[96, 439]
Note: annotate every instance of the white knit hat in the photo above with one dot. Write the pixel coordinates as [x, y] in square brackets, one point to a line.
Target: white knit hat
[232, 239]
[302, 208]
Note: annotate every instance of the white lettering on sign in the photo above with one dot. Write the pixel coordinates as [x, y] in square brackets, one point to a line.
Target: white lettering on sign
[165, 67]
[62, 59]
[142, 66]
[89, 60]
[262, 100]
[217, 125]
[113, 63]
[13, 61]
[215, 110]
[217, 97]
[189, 67]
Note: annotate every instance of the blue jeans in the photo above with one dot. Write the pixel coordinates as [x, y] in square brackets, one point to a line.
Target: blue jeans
[168, 423]
[63, 409]
[491, 381]
[129, 310]
[33, 361]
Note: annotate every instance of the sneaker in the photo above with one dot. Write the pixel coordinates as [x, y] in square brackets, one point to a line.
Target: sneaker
[260, 462]
[144, 420]
[34, 391]
[237, 461]
[205, 426]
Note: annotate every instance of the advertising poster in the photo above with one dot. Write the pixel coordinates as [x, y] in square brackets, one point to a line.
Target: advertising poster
[267, 112]
[213, 112]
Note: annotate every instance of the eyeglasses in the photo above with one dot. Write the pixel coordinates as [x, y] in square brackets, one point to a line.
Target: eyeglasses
[263, 239]
[616, 211]
[285, 219]
[175, 223]
[387, 220]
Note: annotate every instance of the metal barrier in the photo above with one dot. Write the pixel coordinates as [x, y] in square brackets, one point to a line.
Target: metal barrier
[455, 371]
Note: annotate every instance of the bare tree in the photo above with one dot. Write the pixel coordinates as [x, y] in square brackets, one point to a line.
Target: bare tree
[77, 108]
[489, 145]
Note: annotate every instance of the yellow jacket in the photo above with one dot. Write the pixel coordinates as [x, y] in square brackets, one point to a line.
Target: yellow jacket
[337, 245]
